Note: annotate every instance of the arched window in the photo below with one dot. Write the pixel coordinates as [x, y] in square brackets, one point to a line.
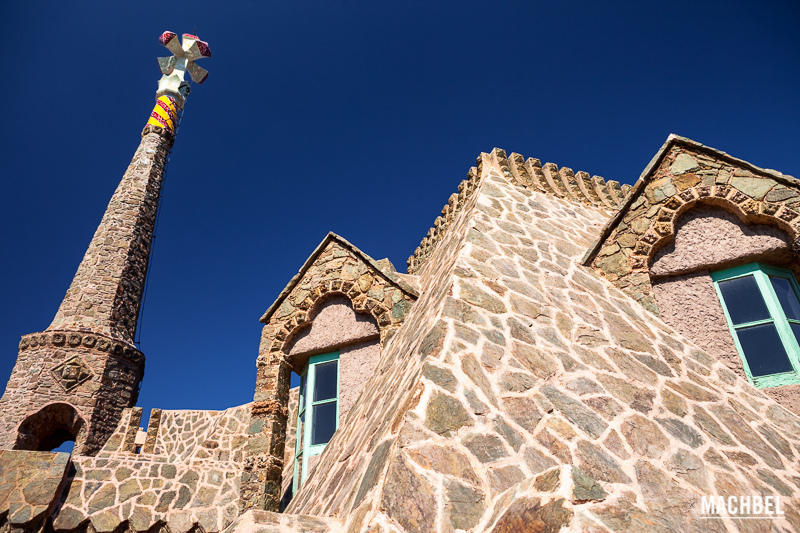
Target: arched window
[49, 428]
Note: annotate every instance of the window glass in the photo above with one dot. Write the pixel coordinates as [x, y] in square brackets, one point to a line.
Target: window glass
[786, 296]
[743, 300]
[764, 350]
[763, 312]
[796, 331]
[324, 423]
[326, 380]
[318, 412]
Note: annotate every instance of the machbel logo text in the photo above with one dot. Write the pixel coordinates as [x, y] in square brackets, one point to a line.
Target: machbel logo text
[752, 507]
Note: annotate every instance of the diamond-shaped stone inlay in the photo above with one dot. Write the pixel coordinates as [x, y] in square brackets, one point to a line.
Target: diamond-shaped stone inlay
[71, 373]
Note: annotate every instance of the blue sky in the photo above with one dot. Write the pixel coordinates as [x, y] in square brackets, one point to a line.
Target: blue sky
[354, 117]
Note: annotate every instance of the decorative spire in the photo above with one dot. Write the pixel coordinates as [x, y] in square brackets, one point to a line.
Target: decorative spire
[74, 379]
[173, 87]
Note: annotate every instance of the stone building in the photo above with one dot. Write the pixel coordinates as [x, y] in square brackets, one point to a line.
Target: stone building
[563, 354]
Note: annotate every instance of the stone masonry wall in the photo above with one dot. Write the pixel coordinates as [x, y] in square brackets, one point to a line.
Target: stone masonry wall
[345, 481]
[188, 477]
[516, 362]
[542, 364]
[30, 482]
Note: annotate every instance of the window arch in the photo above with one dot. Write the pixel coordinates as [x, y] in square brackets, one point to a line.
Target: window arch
[49, 428]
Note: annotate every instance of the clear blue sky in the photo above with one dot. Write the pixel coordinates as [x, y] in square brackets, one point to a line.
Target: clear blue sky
[355, 117]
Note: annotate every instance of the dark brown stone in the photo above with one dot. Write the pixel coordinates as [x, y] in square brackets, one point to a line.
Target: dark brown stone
[445, 460]
[575, 411]
[475, 296]
[644, 437]
[599, 464]
[486, 447]
[465, 504]
[745, 434]
[710, 427]
[373, 471]
[585, 488]
[445, 414]
[407, 498]
[681, 431]
[441, 376]
[639, 398]
[523, 411]
[501, 478]
[536, 361]
[528, 514]
[549, 481]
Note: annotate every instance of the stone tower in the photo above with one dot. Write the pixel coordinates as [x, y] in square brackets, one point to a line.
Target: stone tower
[72, 381]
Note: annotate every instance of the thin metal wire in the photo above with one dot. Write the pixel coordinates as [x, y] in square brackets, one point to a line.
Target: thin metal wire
[138, 337]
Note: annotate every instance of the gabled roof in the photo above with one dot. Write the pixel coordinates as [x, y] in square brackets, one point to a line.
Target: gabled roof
[646, 176]
[380, 267]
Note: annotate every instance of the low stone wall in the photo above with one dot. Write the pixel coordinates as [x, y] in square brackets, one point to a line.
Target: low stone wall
[29, 485]
[185, 476]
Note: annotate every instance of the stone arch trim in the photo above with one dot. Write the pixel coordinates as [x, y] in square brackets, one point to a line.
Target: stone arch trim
[290, 326]
[748, 210]
[683, 175]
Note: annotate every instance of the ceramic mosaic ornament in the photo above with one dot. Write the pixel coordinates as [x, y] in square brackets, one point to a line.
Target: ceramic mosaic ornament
[164, 114]
[173, 87]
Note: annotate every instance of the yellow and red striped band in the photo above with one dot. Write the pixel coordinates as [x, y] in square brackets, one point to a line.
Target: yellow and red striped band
[164, 114]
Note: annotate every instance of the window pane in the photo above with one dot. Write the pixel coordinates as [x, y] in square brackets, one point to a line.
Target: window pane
[324, 423]
[796, 331]
[743, 300]
[763, 349]
[325, 380]
[302, 397]
[787, 297]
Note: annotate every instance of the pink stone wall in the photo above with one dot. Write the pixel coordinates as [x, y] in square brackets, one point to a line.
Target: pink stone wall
[706, 240]
[712, 237]
[358, 362]
[335, 324]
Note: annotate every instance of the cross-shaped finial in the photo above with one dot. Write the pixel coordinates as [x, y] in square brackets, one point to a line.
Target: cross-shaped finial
[173, 68]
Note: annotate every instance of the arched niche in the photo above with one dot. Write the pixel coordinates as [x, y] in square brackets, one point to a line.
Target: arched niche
[708, 239]
[50, 427]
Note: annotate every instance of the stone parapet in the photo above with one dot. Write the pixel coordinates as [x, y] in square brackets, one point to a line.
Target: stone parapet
[549, 179]
[30, 483]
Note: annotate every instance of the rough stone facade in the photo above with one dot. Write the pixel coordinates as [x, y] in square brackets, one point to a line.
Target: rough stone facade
[695, 210]
[516, 388]
[72, 381]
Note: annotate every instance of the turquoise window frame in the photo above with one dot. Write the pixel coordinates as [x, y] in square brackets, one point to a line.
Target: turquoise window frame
[306, 404]
[761, 274]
